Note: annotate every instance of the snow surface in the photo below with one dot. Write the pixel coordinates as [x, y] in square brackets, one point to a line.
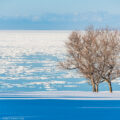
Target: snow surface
[70, 95]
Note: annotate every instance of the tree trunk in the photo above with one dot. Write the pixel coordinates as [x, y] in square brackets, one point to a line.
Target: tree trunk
[110, 87]
[96, 88]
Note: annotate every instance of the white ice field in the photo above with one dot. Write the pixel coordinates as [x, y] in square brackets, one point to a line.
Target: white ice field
[28, 63]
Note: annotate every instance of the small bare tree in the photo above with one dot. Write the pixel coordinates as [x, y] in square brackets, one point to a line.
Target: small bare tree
[92, 53]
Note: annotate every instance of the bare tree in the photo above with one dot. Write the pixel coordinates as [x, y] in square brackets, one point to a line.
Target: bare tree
[93, 54]
[81, 49]
[109, 67]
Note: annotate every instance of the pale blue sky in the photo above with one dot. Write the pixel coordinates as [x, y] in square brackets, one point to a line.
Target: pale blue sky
[37, 7]
[37, 10]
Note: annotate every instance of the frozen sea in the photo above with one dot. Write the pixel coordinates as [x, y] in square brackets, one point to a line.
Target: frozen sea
[29, 60]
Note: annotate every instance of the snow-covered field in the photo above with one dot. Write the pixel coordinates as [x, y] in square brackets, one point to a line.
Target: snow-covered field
[29, 59]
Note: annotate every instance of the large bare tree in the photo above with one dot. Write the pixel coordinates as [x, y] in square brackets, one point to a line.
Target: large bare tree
[109, 64]
[93, 54]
